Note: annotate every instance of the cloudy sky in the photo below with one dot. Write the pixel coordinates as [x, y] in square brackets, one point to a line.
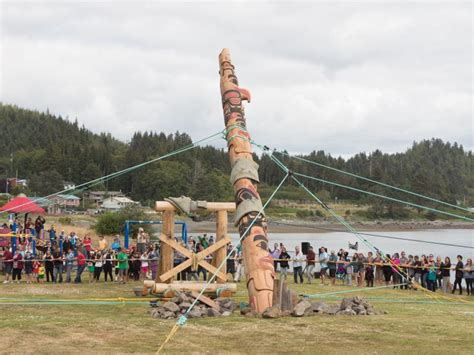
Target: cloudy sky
[342, 77]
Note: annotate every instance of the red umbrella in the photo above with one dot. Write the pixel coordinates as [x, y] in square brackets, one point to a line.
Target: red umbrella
[21, 205]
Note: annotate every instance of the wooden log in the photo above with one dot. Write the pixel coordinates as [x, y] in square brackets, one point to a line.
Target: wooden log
[206, 301]
[276, 293]
[167, 254]
[190, 286]
[220, 254]
[162, 206]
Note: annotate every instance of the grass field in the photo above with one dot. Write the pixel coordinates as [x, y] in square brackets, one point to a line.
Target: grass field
[127, 327]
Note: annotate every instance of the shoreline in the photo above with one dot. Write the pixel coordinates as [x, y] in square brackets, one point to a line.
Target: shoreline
[299, 226]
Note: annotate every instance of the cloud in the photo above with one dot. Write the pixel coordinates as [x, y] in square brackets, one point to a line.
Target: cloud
[343, 77]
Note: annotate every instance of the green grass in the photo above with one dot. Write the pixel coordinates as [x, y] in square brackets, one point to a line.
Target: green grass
[125, 328]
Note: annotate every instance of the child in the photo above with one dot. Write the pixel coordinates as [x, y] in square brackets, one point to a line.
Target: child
[41, 272]
[91, 268]
[369, 273]
[36, 266]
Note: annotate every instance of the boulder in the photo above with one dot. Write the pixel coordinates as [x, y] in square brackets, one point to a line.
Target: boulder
[183, 298]
[185, 305]
[346, 312]
[244, 311]
[171, 307]
[195, 313]
[319, 307]
[301, 308]
[168, 315]
[226, 313]
[332, 310]
[346, 303]
[211, 312]
[271, 313]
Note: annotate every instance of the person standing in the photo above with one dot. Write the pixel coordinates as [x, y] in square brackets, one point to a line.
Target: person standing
[310, 262]
[404, 263]
[8, 265]
[81, 264]
[99, 262]
[332, 266]
[298, 265]
[103, 244]
[469, 276]
[387, 270]
[58, 266]
[108, 260]
[431, 277]
[29, 267]
[323, 262]
[458, 275]
[69, 264]
[284, 265]
[122, 258]
[153, 256]
[445, 273]
[275, 254]
[17, 267]
[49, 266]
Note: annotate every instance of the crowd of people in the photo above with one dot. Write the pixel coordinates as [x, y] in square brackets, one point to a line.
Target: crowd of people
[64, 257]
[399, 269]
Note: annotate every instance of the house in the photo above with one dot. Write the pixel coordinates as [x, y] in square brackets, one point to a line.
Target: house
[69, 185]
[117, 203]
[66, 201]
[99, 196]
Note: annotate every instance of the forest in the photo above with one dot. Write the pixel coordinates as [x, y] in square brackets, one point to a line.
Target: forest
[47, 149]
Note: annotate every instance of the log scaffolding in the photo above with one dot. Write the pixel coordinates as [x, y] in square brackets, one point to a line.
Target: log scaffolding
[167, 273]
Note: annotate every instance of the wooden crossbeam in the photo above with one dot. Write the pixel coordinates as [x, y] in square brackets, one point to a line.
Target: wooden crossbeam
[189, 254]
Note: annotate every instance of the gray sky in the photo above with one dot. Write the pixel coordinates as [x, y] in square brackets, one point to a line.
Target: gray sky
[342, 77]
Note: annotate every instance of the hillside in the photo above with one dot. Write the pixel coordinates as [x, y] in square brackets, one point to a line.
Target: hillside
[50, 148]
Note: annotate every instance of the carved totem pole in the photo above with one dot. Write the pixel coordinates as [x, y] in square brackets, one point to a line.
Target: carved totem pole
[244, 178]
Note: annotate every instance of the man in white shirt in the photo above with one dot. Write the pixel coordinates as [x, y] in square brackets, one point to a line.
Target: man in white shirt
[298, 265]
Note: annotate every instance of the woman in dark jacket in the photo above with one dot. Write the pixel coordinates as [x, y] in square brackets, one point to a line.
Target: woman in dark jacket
[445, 273]
[387, 270]
[284, 265]
[459, 274]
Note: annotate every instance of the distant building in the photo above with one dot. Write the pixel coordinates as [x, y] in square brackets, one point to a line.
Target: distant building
[6, 185]
[66, 201]
[99, 196]
[69, 185]
[117, 203]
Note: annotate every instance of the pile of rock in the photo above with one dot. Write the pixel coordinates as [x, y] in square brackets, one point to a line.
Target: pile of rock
[349, 306]
[179, 304]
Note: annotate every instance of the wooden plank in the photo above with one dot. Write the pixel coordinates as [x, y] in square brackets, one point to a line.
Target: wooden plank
[212, 269]
[206, 300]
[220, 254]
[276, 293]
[175, 245]
[176, 270]
[167, 253]
[192, 286]
[162, 206]
[220, 244]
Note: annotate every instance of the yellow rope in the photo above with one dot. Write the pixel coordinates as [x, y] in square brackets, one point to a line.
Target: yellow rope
[168, 338]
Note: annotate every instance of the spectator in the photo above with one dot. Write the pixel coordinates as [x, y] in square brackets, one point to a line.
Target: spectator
[99, 262]
[108, 265]
[469, 276]
[8, 265]
[275, 254]
[122, 258]
[445, 273]
[29, 267]
[49, 266]
[332, 266]
[387, 270]
[310, 262]
[70, 257]
[298, 265]
[323, 260]
[458, 275]
[17, 267]
[81, 264]
[103, 244]
[284, 265]
[58, 266]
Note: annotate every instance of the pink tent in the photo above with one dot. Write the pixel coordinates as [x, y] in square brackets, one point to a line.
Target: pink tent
[21, 205]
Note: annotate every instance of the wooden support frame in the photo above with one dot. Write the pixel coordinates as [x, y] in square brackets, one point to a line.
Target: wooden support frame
[166, 270]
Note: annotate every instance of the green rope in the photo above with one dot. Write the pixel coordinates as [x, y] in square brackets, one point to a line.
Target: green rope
[101, 179]
[182, 320]
[375, 182]
[385, 197]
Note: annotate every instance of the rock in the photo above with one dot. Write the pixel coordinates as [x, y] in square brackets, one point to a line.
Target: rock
[182, 298]
[357, 300]
[252, 314]
[362, 312]
[171, 307]
[271, 313]
[229, 305]
[244, 311]
[319, 307]
[301, 308]
[195, 313]
[211, 312]
[332, 310]
[168, 315]
[286, 313]
[185, 305]
[358, 309]
[226, 313]
[346, 303]
[155, 314]
[348, 312]
[175, 299]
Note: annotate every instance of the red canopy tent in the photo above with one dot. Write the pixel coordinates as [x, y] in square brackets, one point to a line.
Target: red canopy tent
[21, 205]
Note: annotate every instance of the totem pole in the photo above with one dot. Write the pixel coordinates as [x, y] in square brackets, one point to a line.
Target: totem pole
[244, 178]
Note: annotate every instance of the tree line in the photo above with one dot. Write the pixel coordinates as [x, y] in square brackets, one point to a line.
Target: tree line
[47, 149]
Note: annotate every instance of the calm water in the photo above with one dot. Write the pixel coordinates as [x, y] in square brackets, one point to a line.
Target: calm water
[337, 240]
